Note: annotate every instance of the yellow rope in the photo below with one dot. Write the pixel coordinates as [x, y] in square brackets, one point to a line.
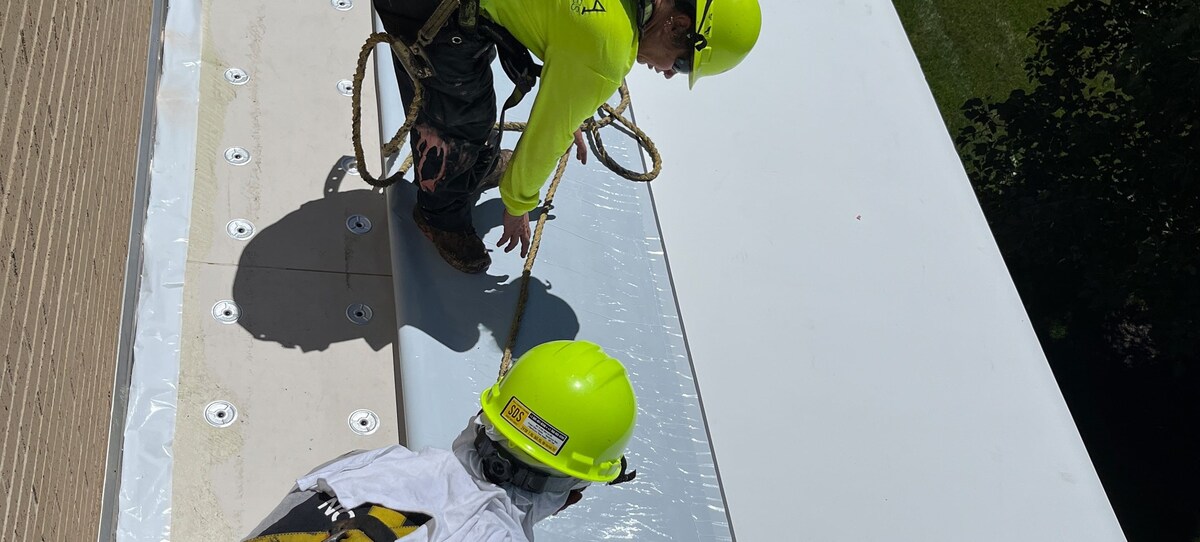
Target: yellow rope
[591, 128]
[534, 244]
[360, 72]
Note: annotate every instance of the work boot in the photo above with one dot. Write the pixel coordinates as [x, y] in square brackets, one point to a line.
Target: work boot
[492, 180]
[464, 251]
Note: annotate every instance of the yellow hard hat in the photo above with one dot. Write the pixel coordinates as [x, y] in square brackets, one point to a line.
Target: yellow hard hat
[568, 405]
[724, 32]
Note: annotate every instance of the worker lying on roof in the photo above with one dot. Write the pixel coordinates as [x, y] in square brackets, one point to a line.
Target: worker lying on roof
[555, 424]
[587, 46]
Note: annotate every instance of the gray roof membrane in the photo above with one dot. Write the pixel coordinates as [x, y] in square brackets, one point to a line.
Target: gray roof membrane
[601, 275]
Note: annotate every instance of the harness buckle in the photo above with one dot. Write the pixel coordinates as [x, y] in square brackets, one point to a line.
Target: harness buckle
[337, 534]
[414, 59]
[468, 12]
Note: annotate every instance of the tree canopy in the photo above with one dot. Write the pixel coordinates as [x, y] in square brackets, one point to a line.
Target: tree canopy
[1089, 180]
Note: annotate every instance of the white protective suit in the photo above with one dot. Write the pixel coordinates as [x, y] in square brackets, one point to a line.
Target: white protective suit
[447, 486]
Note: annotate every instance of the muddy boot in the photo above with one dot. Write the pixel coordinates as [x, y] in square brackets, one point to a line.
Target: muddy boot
[492, 180]
[464, 251]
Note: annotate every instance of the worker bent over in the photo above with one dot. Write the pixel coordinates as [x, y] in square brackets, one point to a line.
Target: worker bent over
[557, 423]
[587, 47]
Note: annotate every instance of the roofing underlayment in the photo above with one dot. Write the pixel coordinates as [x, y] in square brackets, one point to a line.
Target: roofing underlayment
[866, 367]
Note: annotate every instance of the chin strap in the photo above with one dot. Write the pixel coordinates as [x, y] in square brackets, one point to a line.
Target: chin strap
[625, 476]
[501, 467]
[644, 13]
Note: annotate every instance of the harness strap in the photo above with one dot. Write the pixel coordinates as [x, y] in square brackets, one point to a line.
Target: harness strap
[515, 59]
[437, 21]
[379, 524]
[369, 525]
[518, 65]
[467, 14]
[419, 65]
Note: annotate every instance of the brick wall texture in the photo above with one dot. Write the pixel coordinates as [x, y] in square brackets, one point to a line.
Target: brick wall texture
[73, 73]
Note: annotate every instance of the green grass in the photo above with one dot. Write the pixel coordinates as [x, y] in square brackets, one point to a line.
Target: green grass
[972, 48]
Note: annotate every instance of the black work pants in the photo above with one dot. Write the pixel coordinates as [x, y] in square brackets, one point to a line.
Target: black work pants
[451, 137]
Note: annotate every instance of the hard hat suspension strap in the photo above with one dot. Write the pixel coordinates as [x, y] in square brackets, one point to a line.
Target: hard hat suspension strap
[501, 467]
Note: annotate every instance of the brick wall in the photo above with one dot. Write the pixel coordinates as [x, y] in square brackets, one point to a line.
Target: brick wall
[73, 73]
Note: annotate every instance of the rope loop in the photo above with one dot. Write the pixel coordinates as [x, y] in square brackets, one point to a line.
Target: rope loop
[360, 73]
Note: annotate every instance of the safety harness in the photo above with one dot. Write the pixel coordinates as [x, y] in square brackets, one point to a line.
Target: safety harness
[515, 58]
[379, 524]
[518, 65]
[382, 524]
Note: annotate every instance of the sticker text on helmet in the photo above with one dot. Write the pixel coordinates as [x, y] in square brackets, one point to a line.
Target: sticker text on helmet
[533, 426]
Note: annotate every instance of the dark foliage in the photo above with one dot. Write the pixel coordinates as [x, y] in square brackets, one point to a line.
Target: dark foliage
[1090, 182]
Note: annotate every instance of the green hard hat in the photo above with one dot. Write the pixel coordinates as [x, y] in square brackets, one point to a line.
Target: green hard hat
[725, 31]
[568, 405]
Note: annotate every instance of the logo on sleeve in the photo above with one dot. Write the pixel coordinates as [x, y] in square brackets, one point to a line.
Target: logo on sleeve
[580, 6]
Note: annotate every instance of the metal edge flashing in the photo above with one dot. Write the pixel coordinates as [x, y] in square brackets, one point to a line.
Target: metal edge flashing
[385, 77]
[137, 505]
[683, 332]
[133, 264]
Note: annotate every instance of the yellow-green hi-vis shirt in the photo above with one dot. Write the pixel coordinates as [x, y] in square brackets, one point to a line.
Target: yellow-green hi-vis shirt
[587, 47]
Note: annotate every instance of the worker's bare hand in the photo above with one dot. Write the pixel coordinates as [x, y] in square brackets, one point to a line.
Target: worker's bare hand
[516, 230]
[574, 496]
[580, 147]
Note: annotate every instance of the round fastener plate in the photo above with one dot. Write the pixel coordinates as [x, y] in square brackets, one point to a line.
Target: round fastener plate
[358, 224]
[346, 87]
[349, 165]
[237, 76]
[240, 229]
[360, 314]
[363, 421]
[220, 413]
[237, 156]
[342, 5]
[226, 312]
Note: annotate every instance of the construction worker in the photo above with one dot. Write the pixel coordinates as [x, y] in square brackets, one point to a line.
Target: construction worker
[587, 47]
[555, 424]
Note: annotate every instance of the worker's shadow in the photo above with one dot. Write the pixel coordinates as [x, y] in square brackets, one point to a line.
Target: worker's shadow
[297, 277]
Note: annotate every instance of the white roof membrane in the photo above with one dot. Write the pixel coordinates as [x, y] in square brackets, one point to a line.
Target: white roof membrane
[867, 368]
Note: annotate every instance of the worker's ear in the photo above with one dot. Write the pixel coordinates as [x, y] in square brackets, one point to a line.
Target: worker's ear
[681, 22]
[574, 496]
[681, 32]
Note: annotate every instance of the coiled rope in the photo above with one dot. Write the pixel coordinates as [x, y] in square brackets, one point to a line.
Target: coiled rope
[590, 127]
